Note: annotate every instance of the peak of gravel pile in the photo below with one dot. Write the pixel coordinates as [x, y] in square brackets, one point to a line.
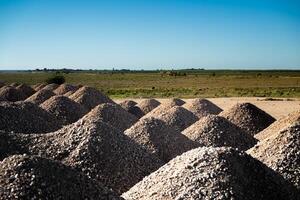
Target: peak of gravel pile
[178, 118]
[10, 93]
[211, 173]
[248, 117]
[40, 96]
[14, 84]
[112, 114]
[278, 125]
[281, 152]
[39, 86]
[131, 107]
[148, 105]
[202, 107]
[64, 88]
[51, 86]
[159, 139]
[26, 117]
[174, 102]
[32, 177]
[93, 147]
[25, 89]
[65, 109]
[89, 97]
[217, 131]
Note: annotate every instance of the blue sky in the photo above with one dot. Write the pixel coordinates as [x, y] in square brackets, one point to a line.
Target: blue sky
[244, 34]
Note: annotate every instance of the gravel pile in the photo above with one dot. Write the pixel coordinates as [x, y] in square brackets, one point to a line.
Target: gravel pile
[40, 96]
[278, 125]
[131, 107]
[26, 117]
[248, 117]
[89, 97]
[202, 107]
[51, 86]
[14, 84]
[25, 89]
[65, 88]
[2, 83]
[211, 173]
[217, 131]
[148, 104]
[93, 147]
[178, 118]
[32, 177]
[39, 86]
[174, 102]
[10, 93]
[66, 110]
[112, 114]
[281, 152]
[159, 139]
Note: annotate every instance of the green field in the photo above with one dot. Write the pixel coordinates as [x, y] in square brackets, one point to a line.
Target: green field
[186, 83]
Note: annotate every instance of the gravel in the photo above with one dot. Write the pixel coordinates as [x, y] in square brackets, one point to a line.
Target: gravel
[10, 93]
[113, 114]
[248, 117]
[40, 96]
[211, 173]
[93, 147]
[159, 139]
[66, 110]
[32, 177]
[281, 152]
[26, 90]
[148, 104]
[202, 107]
[26, 117]
[51, 86]
[278, 125]
[2, 83]
[131, 107]
[217, 131]
[178, 118]
[39, 86]
[89, 97]
[64, 88]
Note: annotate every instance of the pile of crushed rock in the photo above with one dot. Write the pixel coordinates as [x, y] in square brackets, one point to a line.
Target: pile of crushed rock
[248, 117]
[212, 173]
[40, 96]
[33, 177]
[131, 107]
[148, 105]
[10, 93]
[202, 107]
[65, 88]
[281, 152]
[26, 117]
[217, 131]
[158, 138]
[64, 109]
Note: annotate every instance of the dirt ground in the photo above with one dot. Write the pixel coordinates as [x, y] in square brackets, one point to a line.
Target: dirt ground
[277, 108]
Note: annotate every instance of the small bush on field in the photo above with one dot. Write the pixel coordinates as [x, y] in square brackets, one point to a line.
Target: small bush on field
[58, 79]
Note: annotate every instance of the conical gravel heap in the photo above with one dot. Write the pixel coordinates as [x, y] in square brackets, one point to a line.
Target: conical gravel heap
[32, 177]
[174, 102]
[112, 114]
[51, 86]
[211, 173]
[25, 89]
[26, 117]
[159, 139]
[89, 97]
[147, 105]
[64, 88]
[217, 131]
[131, 107]
[39, 86]
[66, 110]
[40, 96]
[278, 125]
[202, 107]
[281, 152]
[248, 117]
[10, 93]
[14, 84]
[178, 118]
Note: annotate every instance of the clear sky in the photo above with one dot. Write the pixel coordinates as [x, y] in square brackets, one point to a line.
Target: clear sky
[150, 34]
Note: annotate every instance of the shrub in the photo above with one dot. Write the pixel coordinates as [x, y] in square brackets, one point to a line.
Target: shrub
[58, 79]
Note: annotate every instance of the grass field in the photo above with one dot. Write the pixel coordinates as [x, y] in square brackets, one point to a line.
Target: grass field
[194, 83]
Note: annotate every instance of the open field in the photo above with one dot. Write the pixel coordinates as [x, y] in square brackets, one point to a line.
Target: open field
[186, 84]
